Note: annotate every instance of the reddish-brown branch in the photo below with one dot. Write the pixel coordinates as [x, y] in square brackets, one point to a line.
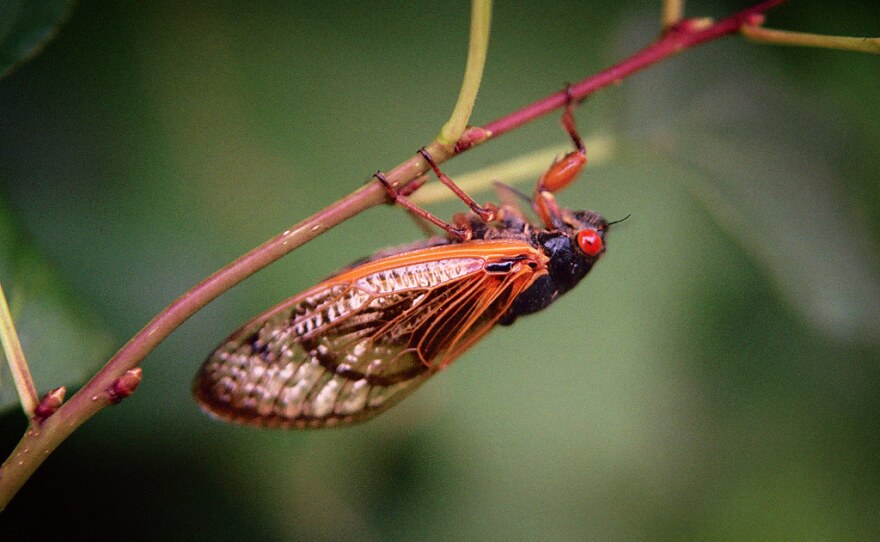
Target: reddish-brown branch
[686, 34]
[119, 376]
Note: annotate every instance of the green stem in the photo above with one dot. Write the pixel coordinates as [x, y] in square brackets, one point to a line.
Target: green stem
[673, 11]
[772, 36]
[481, 18]
[21, 373]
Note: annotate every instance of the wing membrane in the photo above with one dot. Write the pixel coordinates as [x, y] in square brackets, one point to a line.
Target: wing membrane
[358, 343]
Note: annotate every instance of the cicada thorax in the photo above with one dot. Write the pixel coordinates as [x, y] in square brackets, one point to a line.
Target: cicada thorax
[362, 340]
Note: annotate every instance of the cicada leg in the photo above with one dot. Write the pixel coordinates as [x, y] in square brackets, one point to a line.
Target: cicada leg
[485, 212]
[460, 227]
[394, 196]
[562, 172]
[398, 197]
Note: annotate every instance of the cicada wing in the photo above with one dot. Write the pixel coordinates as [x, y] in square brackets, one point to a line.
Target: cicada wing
[355, 345]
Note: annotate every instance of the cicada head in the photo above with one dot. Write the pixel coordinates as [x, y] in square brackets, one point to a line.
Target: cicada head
[570, 248]
[573, 247]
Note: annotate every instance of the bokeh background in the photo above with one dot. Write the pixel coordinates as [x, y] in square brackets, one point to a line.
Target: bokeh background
[715, 378]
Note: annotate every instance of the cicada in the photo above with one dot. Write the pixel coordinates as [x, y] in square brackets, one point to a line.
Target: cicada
[355, 344]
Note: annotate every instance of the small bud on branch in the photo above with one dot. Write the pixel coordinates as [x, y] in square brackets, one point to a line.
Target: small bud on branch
[49, 404]
[125, 385]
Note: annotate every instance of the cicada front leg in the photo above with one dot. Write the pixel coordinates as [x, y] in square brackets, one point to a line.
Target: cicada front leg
[562, 173]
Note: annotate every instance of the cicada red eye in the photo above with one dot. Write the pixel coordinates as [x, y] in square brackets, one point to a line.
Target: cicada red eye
[590, 242]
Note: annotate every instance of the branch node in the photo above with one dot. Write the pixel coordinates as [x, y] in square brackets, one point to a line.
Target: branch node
[471, 137]
[755, 19]
[694, 24]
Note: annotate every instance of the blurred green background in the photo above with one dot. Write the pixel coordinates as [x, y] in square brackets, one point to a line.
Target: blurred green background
[715, 378]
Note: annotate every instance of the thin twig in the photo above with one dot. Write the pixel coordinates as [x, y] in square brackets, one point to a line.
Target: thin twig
[772, 36]
[478, 45]
[673, 11]
[21, 373]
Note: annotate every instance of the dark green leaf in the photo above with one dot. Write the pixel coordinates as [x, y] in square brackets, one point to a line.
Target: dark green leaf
[784, 211]
[25, 27]
[770, 167]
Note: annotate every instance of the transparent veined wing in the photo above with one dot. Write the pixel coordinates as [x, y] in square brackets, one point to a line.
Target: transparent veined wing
[359, 342]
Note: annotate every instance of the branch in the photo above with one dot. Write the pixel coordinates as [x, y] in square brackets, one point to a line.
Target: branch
[684, 35]
[119, 376]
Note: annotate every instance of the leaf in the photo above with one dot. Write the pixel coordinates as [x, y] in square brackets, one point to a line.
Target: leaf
[770, 175]
[62, 344]
[25, 27]
[773, 167]
[786, 215]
